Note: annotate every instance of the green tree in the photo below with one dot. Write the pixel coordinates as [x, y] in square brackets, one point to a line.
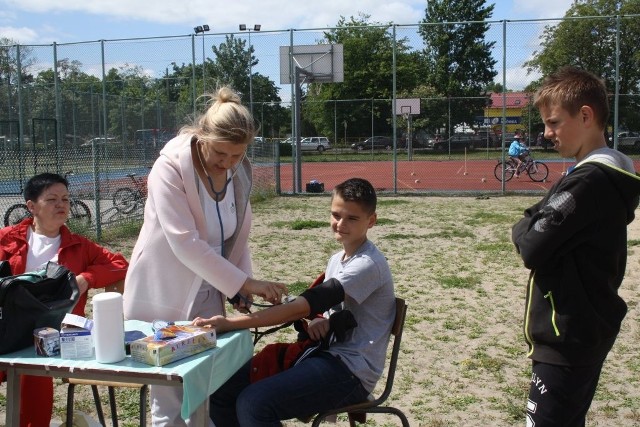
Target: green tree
[590, 43]
[231, 66]
[458, 59]
[365, 95]
[9, 80]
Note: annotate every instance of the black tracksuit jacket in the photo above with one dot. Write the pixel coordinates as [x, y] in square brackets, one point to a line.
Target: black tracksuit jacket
[574, 241]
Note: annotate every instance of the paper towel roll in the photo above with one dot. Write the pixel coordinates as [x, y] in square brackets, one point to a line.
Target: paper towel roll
[108, 327]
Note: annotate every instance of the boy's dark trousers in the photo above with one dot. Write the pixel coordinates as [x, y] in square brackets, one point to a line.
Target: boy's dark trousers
[561, 395]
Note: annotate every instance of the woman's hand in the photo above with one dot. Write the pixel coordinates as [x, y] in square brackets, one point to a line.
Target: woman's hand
[269, 291]
[220, 323]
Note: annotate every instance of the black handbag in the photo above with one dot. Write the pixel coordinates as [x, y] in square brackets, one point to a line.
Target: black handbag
[34, 300]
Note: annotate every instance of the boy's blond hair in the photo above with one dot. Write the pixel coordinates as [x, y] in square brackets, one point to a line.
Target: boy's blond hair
[571, 88]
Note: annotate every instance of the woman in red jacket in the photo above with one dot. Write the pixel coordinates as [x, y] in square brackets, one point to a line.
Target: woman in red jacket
[43, 238]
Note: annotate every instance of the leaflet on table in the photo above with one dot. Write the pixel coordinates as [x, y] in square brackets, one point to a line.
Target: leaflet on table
[171, 343]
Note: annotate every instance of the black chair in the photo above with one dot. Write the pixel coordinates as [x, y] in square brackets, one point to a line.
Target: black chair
[358, 412]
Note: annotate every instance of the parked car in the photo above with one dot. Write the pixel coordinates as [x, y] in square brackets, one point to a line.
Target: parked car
[488, 138]
[99, 141]
[629, 139]
[315, 143]
[458, 141]
[374, 143]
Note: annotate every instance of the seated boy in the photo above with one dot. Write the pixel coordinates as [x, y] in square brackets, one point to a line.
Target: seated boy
[347, 371]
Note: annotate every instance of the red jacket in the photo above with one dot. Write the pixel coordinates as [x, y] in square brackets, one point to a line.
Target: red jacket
[81, 256]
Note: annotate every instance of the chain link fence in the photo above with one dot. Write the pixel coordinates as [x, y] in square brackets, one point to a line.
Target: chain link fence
[102, 110]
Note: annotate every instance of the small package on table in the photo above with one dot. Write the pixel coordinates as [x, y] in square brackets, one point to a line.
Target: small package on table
[47, 341]
[76, 341]
[171, 343]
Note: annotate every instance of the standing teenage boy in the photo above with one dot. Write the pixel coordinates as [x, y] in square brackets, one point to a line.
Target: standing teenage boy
[574, 241]
[358, 279]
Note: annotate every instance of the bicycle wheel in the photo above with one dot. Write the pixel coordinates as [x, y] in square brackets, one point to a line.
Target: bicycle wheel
[80, 212]
[509, 170]
[125, 199]
[16, 214]
[537, 171]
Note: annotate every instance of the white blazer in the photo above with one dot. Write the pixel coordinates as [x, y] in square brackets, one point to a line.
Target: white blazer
[172, 257]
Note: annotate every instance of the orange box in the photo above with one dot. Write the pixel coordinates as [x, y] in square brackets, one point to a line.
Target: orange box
[172, 343]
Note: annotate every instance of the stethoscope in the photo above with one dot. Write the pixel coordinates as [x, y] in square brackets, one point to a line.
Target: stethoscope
[218, 195]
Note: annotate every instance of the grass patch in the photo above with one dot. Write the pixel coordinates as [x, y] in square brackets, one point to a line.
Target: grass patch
[385, 221]
[392, 202]
[402, 236]
[122, 231]
[459, 282]
[462, 402]
[450, 234]
[298, 287]
[300, 224]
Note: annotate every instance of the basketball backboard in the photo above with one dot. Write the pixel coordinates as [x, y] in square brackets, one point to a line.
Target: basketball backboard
[319, 63]
[407, 106]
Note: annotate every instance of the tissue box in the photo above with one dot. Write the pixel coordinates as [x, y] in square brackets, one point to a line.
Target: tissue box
[75, 337]
[172, 343]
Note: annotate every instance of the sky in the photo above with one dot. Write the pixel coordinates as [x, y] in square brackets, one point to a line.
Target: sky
[43, 22]
[68, 21]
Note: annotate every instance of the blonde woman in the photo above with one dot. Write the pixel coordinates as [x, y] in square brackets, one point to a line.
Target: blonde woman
[192, 250]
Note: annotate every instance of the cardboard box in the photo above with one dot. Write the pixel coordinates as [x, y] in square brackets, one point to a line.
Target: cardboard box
[46, 341]
[76, 341]
[172, 343]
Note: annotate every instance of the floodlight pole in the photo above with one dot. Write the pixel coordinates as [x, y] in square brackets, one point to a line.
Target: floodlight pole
[256, 27]
[202, 29]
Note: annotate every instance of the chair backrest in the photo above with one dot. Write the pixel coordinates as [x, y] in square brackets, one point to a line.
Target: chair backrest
[396, 332]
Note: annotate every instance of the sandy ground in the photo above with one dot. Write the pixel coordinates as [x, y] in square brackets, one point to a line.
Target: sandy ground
[463, 359]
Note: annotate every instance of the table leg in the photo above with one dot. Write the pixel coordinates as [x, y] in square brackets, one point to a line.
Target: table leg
[13, 398]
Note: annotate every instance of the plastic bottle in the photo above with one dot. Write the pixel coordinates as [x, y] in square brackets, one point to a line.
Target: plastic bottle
[108, 327]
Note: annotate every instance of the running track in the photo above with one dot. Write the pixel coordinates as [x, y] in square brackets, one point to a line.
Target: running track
[420, 176]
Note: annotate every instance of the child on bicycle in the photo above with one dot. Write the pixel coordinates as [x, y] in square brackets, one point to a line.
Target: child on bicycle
[574, 241]
[518, 151]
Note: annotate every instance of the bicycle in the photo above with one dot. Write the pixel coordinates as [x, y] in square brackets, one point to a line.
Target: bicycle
[126, 199]
[78, 211]
[537, 170]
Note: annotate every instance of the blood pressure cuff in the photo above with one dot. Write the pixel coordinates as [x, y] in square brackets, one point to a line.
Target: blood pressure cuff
[324, 296]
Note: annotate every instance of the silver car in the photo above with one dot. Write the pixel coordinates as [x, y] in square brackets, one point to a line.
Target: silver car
[315, 143]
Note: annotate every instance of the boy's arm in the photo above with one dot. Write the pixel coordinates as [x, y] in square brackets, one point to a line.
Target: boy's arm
[547, 230]
[282, 313]
[312, 301]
